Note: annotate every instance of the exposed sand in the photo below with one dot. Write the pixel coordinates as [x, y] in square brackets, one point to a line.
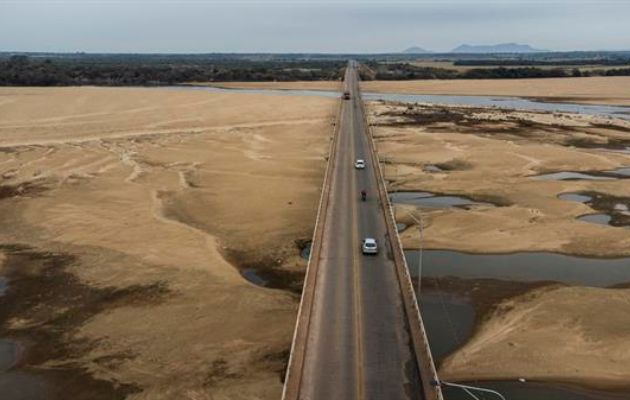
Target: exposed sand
[299, 85]
[498, 156]
[574, 335]
[542, 336]
[145, 192]
[613, 90]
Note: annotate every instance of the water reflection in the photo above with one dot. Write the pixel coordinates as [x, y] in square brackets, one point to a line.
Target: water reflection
[522, 267]
[431, 200]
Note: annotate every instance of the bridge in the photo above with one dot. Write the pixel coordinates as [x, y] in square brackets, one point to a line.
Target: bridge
[359, 334]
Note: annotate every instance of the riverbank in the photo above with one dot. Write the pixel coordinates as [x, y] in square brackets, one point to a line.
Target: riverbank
[296, 85]
[574, 335]
[131, 210]
[493, 156]
[586, 90]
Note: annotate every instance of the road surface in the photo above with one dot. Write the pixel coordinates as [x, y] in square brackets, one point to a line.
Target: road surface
[358, 344]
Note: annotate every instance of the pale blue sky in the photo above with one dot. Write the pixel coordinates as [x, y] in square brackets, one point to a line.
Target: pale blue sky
[309, 25]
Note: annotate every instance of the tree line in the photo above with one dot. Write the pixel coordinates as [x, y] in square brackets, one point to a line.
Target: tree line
[405, 71]
[22, 70]
[140, 70]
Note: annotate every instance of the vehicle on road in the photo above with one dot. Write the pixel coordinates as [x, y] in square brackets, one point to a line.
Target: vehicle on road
[346, 95]
[363, 195]
[359, 164]
[369, 246]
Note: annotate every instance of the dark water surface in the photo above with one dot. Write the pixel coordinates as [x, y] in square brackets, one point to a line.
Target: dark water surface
[567, 175]
[594, 218]
[579, 198]
[450, 318]
[431, 200]
[522, 267]
[252, 276]
[305, 253]
[617, 173]
[600, 219]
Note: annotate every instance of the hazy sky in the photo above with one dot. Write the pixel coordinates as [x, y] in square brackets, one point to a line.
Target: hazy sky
[309, 25]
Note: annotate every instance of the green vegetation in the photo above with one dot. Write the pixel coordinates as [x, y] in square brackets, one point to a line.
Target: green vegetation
[406, 71]
[63, 69]
[147, 70]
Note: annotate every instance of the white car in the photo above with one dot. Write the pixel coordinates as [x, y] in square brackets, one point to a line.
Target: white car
[359, 164]
[369, 246]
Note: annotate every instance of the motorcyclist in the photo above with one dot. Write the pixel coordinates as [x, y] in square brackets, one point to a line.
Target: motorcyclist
[363, 194]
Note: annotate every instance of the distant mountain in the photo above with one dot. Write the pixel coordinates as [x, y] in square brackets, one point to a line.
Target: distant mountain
[496, 48]
[416, 50]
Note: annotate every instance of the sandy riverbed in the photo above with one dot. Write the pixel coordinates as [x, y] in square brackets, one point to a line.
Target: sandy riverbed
[133, 210]
[591, 90]
[491, 155]
[613, 90]
[541, 335]
[298, 85]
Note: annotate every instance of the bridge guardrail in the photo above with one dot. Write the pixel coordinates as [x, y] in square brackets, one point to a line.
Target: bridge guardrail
[293, 376]
[426, 365]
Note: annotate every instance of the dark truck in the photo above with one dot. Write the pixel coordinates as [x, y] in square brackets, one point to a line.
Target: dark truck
[346, 95]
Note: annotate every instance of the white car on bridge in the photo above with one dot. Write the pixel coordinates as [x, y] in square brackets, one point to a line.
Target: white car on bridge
[359, 164]
[369, 246]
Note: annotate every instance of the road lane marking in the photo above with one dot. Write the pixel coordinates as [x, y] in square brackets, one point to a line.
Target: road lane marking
[356, 270]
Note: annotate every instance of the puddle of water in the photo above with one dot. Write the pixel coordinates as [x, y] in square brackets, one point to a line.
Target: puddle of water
[522, 266]
[23, 386]
[566, 176]
[623, 171]
[9, 352]
[252, 276]
[432, 168]
[430, 200]
[408, 197]
[449, 320]
[595, 218]
[623, 151]
[400, 227]
[601, 219]
[15, 385]
[305, 253]
[579, 198]
[618, 173]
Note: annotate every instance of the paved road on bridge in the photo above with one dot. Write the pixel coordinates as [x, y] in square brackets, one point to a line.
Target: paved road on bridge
[358, 344]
